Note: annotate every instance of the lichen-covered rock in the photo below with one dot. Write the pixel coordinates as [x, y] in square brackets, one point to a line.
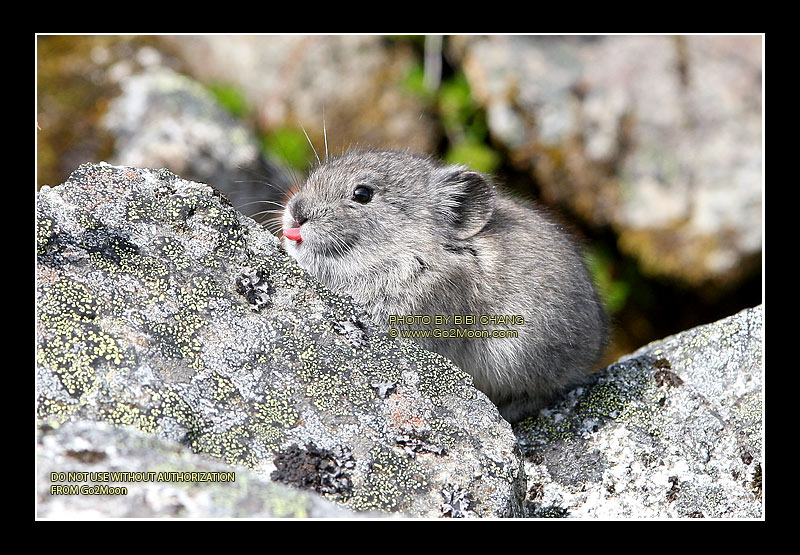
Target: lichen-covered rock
[161, 307]
[94, 470]
[672, 430]
[657, 136]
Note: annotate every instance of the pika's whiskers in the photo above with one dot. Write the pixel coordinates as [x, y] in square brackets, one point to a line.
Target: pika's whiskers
[276, 203]
[325, 133]
[311, 145]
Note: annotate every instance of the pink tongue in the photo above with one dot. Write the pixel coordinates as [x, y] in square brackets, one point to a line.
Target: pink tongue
[293, 233]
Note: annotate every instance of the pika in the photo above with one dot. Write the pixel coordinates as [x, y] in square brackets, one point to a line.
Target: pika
[407, 236]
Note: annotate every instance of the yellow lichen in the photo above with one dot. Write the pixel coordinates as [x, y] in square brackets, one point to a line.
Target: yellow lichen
[390, 484]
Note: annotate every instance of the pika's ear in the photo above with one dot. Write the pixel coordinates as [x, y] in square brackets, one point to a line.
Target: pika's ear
[464, 199]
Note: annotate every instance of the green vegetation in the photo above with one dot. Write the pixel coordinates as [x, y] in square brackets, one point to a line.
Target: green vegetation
[475, 155]
[414, 83]
[614, 292]
[284, 143]
[290, 145]
[463, 121]
[465, 125]
[230, 97]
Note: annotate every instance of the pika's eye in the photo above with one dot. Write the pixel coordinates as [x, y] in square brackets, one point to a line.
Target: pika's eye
[362, 194]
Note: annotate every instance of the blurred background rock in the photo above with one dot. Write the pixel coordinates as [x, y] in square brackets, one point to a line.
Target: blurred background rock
[649, 148]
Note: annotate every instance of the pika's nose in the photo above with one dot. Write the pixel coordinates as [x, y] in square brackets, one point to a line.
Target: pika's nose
[298, 213]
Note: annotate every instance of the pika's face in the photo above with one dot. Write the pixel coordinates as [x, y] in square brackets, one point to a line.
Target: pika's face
[357, 210]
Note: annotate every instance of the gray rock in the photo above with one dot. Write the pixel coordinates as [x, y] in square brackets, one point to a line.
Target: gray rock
[161, 307]
[672, 430]
[82, 468]
[658, 136]
[162, 119]
[355, 81]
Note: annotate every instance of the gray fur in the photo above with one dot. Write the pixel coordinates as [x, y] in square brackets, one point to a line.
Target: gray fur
[442, 240]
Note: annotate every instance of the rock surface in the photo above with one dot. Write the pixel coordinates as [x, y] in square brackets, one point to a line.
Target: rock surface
[354, 81]
[162, 308]
[658, 136]
[672, 430]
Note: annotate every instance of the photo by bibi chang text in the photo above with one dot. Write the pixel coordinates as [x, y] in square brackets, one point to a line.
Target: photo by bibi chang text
[454, 326]
[456, 319]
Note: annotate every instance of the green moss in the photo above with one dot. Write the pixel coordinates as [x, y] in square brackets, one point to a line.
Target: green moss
[195, 296]
[447, 435]
[336, 390]
[230, 445]
[272, 436]
[384, 369]
[231, 237]
[330, 385]
[177, 338]
[604, 400]
[90, 222]
[630, 399]
[210, 261]
[178, 208]
[140, 209]
[748, 414]
[162, 309]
